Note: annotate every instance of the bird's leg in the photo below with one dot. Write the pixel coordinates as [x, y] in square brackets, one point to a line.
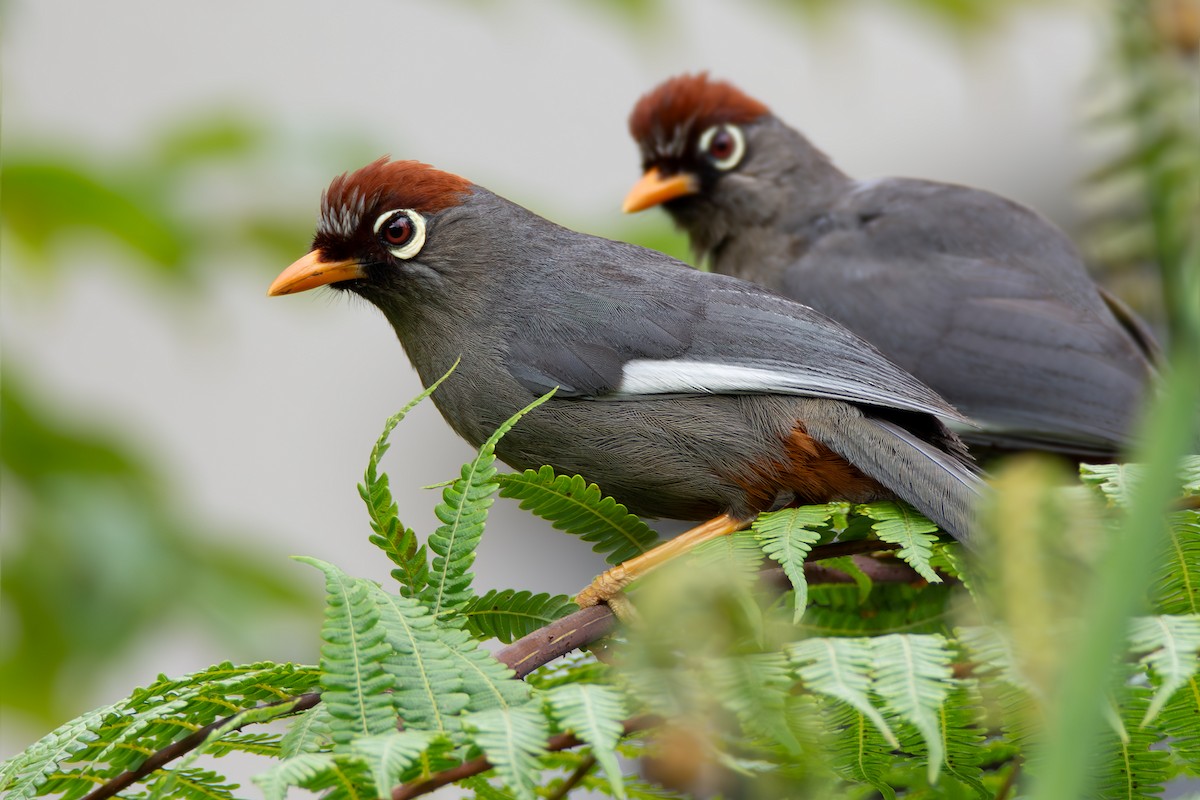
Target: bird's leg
[606, 588]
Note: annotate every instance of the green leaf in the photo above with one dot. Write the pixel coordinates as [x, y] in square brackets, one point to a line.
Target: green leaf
[1176, 587]
[787, 536]
[1171, 645]
[841, 669]
[463, 512]
[509, 614]
[398, 542]
[512, 740]
[306, 769]
[355, 685]
[859, 751]
[899, 523]
[594, 714]
[1178, 720]
[576, 507]
[756, 687]
[1130, 766]
[487, 683]
[913, 677]
[428, 691]
[309, 732]
[389, 754]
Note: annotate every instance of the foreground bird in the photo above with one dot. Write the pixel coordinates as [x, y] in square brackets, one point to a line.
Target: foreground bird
[981, 298]
[683, 394]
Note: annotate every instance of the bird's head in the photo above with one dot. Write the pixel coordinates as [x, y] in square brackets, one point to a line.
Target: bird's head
[692, 133]
[374, 226]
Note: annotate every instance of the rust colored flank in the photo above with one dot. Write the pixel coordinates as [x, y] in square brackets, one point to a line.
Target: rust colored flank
[691, 99]
[813, 472]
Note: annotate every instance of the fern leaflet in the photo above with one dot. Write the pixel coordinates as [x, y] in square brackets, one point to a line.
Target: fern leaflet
[899, 523]
[512, 740]
[398, 542]
[510, 614]
[913, 677]
[355, 685]
[594, 714]
[787, 536]
[428, 690]
[463, 511]
[1171, 645]
[576, 507]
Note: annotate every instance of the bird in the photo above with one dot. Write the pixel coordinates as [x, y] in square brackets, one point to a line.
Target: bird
[979, 297]
[683, 394]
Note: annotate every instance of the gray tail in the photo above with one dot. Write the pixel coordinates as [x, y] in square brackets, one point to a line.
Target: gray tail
[937, 477]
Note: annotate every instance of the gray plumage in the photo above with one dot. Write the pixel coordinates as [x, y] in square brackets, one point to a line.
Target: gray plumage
[979, 297]
[728, 371]
[683, 395]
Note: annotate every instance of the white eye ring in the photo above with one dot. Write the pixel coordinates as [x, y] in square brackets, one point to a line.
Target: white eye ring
[739, 146]
[414, 244]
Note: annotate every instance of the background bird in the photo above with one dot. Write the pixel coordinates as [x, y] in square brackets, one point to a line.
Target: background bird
[981, 298]
[683, 394]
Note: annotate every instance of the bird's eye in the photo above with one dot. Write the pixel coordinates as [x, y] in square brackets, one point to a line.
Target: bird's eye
[402, 232]
[723, 145]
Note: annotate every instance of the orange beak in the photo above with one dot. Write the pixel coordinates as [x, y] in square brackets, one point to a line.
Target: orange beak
[653, 189]
[312, 271]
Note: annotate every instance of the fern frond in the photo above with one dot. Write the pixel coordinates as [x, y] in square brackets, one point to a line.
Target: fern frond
[355, 685]
[899, 523]
[428, 689]
[192, 784]
[510, 614]
[1171, 645]
[340, 773]
[23, 775]
[594, 714]
[398, 542]
[184, 780]
[1113, 481]
[788, 536]
[756, 688]
[737, 556]
[913, 677]
[388, 755]
[486, 682]
[463, 512]
[1189, 473]
[1130, 769]
[1176, 583]
[574, 506]
[841, 669]
[837, 610]
[512, 740]
[858, 751]
[309, 732]
[1178, 720]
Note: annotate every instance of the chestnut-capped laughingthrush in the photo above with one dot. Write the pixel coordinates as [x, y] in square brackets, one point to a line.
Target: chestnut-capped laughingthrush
[981, 298]
[683, 394]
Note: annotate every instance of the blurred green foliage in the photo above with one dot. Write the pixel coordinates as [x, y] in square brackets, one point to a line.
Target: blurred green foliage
[97, 551]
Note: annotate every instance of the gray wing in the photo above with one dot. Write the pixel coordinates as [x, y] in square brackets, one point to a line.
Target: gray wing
[667, 329]
[983, 300]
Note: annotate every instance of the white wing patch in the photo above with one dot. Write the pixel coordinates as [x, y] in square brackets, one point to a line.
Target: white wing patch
[642, 376]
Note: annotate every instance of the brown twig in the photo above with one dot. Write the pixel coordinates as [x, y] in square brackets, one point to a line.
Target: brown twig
[563, 741]
[186, 745]
[573, 780]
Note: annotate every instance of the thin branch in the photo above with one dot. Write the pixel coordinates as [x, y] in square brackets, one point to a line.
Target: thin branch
[573, 780]
[563, 741]
[190, 742]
